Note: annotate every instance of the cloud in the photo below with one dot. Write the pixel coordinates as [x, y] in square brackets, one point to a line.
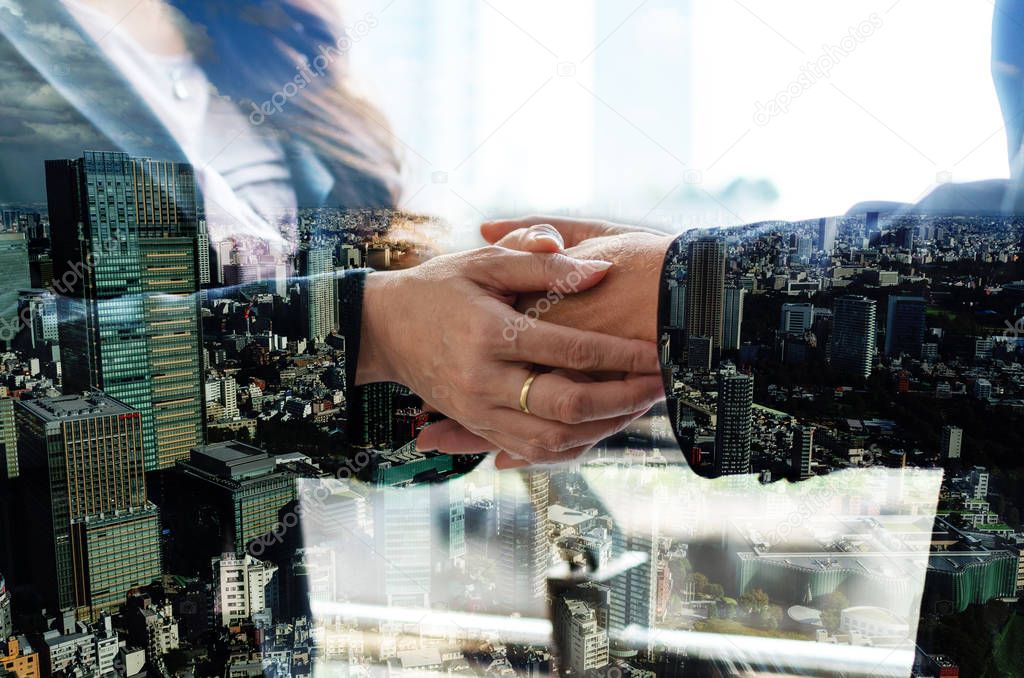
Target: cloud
[60, 132]
[11, 6]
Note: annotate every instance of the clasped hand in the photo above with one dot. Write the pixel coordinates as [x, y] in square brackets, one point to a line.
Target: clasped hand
[449, 330]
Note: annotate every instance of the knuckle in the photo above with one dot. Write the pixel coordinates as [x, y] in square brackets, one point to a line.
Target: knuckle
[581, 354]
[490, 251]
[554, 440]
[574, 406]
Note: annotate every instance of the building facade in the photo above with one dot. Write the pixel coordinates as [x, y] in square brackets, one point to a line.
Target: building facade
[99, 536]
[125, 249]
[854, 335]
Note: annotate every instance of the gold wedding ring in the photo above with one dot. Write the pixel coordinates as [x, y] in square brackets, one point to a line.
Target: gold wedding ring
[525, 393]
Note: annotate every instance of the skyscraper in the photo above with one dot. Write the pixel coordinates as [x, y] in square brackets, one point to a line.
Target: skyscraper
[803, 446]
[402, 524]
[634, 591]
[677, 306]
[732, 318]
[828, 229]
[14, 276]
[240, 485]
[124, 246]
[8, 441]
[705, 291]
[98, 535]
[523, 549]
[733, 429]
[854, 335]
[203, 253]
[951, 442]
[318, 285]
[904, 326]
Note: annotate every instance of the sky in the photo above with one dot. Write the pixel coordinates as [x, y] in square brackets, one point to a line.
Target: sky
[676, 85]
[646, 110]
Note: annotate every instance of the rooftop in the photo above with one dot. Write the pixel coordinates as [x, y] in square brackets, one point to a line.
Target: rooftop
[82, 406]
[570, 517]
[231, 460]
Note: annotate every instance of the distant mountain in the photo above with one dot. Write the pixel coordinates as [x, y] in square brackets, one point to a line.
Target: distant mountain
[977, 198]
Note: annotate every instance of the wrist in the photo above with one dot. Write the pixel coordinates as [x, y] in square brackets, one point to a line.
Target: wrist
[375, 364]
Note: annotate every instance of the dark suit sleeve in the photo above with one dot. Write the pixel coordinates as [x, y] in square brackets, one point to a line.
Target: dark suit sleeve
[350, 303]
[666, 333]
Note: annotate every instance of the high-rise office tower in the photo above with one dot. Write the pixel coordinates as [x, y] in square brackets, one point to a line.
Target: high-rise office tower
[951, 442]
[732, 318]
[733, 430]
[705, 290]
[828, 229]
[9, 441]
[402, 524]
[241, 491]
[124, 244]
[9, 514]
[372, 413]
[318, 285]
[523, 548]
[796, 318]
[803, 446]
[904, 326]
[854, 335]
[203, 253]
[677, 306]
[803, 249]
[14, 276]
[634, 591]
[98, 535]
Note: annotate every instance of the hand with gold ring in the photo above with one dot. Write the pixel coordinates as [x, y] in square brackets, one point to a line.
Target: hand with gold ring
[596, 403]
[524, 395]
[590, 385]
[448, 331]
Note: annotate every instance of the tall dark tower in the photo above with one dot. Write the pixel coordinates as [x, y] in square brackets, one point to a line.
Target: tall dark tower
[125, 260]
[854, 334]
[800, 453]
[705, 290]
[733, 429]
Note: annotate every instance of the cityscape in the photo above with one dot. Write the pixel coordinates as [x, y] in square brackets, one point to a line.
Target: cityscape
[188, 489]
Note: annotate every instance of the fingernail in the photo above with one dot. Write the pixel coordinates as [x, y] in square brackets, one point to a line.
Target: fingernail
[596, 264]
[548, 238]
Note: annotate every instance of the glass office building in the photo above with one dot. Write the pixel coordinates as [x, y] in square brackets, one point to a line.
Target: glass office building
[96, 535]
[124, 242]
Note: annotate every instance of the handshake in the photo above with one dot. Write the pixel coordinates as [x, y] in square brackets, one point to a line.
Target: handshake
[536, 347]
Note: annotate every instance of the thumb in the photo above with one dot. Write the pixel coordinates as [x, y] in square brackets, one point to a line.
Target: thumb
[572, 231]
[513, 272]
[540, 238]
